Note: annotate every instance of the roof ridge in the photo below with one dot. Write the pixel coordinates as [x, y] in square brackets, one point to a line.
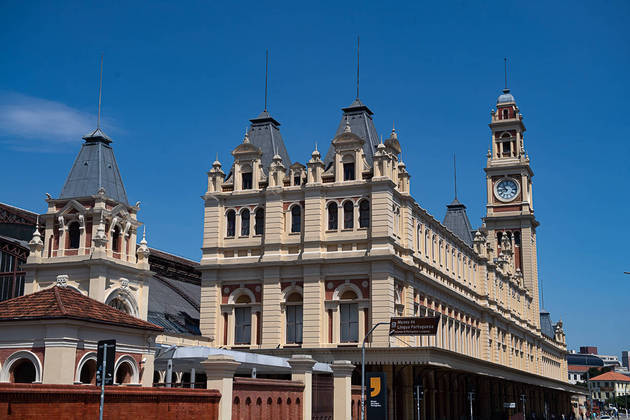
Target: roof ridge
[59, 302]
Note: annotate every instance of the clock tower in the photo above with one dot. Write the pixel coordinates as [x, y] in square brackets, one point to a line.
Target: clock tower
[510, 207]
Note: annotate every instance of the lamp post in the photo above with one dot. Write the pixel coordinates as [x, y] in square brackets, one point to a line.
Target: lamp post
[363, 367]
[523, 399]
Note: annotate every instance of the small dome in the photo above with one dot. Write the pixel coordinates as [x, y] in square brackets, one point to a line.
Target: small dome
[505, 97]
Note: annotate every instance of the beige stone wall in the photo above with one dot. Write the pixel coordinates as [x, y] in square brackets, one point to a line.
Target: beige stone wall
[487, 310]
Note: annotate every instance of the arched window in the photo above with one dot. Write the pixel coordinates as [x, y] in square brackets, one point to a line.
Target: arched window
[231, 223]
[349, 318]
[348, 215]
[74, 235]
[120, 304]
[506, 114]
[245, 222]
[333, 213]
[259, 224]
[88, 372]
[426, 242]
[418, 237]
[23, 372]
[296, 219]
[364, 214]
[124, 373]
[116, 239]
[242, 321]
[433, 248]
[440, 250]
[294, 318]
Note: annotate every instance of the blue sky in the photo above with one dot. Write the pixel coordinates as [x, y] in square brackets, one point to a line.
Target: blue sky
[180, 84]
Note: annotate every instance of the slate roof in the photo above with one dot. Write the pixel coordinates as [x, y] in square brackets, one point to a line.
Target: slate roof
[66, 303]
[265, 133]
[611, 376]
[545, 324]
[456, 220]
[361, 124]
[95, 167]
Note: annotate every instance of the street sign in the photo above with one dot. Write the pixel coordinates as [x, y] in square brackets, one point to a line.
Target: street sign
[109, 362]
[509, 405]
[414, 325]
[377, 395]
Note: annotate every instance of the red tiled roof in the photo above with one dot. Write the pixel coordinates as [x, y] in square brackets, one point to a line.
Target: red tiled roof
[578, 368]
[65, 303]
[611, 376]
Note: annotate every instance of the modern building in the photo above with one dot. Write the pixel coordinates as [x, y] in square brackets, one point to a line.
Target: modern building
[578, 365]
[609, 385]
[624, 359]
[309, 257]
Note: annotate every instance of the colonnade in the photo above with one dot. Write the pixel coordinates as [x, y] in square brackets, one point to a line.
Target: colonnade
[446, 395]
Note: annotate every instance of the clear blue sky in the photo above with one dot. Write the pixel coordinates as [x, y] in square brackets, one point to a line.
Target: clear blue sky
[180, 84]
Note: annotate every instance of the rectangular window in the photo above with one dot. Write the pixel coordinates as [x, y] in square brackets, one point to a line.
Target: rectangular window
[349, 313]
[247, 180]
[294, 324]
[243, 325]
[296, 180]
[348, 171]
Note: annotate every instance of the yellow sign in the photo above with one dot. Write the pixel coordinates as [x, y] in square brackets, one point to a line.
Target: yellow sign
[375, 386]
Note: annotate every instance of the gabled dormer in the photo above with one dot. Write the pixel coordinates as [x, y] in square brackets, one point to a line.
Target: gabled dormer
[348, 158]
[247, 165]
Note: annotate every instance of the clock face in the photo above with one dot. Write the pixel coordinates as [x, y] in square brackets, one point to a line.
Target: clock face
[506, 189]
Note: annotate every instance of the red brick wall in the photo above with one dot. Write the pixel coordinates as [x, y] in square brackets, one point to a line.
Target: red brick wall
[266, 399]
[356, 402]
[32, 401]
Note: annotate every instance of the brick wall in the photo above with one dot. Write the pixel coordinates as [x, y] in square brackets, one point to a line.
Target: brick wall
[267, 399]
[356, 402]
[29, 401]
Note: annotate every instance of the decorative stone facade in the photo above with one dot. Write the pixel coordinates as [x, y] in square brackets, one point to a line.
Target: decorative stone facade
[355, 248]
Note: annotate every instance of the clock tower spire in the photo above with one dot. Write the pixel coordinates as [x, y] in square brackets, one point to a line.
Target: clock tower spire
[510, 219]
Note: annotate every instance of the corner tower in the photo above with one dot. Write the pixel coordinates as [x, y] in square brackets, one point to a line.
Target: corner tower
[510, 219]
[87, 238]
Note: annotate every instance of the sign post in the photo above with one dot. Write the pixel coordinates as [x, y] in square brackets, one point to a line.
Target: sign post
[105, 355]
[398, 326]
[413, 325]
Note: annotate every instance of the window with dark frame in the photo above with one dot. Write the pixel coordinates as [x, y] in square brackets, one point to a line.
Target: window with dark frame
[332, 216]
[296, 219]
[364, 214]
[245, 222]
[116, 239]
[348, 215]
[349, 320]
[74, 235]
[259, 222]
[348, 171]
[247, 180]
[294, 319]
[11, 274]
[231, 223]
[243, 325]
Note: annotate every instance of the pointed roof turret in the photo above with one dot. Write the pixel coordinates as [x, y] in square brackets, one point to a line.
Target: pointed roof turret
[265, 134]
[95, 168]
[359, 118]
[456, 220]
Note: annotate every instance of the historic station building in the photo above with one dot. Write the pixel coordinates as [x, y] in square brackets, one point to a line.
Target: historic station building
[307, 257]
